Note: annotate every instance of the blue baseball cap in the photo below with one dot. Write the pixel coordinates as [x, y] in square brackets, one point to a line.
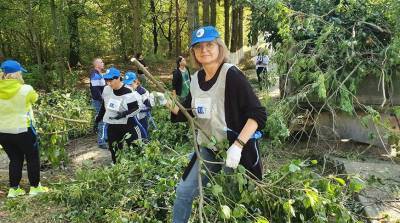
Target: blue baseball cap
[12, 66]
[130, 77]
[204, 34]
[112, 73]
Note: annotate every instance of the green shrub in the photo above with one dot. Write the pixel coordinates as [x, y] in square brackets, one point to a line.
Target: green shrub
[53, 112]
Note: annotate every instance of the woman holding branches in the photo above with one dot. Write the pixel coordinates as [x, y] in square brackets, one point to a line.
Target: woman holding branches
[223, 104]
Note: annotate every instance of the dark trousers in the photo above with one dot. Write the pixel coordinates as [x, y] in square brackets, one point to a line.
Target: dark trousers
[19, 147]
[117, 135]
[145, 125]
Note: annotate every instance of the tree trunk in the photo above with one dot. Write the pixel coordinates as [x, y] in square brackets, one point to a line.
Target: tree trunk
[32, 27]
[177, 30]
[226, 20]
[206, 12]
[213, 9]
[154, 21]
[234, 38]
[254, 31]
[170, 46]
[121, 27]
[193, 15]
[58, 44]
[240, 27]
[2, 47]
[137, 25]
[73, 30]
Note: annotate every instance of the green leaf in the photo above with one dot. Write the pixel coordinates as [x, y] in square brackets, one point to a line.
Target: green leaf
[216, 190]
[288, 208]
[239, 211]
[356, 184]
[241, 169]
[293, 168]
[213, 142]
[340, 181]
[314, 162]
[241, 181]
[261, 220]
[312, 196]
[225, 212]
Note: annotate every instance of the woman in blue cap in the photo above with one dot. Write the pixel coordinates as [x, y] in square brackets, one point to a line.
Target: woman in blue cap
[118, 110]
[132, 81]
[17, 134]
[224, 104]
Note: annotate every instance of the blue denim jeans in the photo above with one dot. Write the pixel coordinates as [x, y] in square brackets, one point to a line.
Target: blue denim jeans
[145, 126]
[102, 127]
[188, 189]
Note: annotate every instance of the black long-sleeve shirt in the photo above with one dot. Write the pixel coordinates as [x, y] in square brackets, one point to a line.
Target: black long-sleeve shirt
[241, 103]
[133, 106]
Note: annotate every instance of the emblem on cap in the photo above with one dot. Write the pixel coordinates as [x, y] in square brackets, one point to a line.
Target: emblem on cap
[200, 32]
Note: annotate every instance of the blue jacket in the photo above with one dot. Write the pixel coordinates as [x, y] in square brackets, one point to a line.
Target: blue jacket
[141, 90]
[97, 84]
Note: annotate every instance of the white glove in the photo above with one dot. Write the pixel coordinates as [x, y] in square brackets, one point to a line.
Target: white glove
[157, 98]
[151, 99]
[233, 156]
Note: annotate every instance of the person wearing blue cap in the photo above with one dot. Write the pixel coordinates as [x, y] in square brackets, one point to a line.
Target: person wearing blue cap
[132, 80]
[17, 133]
[119, 107]
[97, 84]
[225, 105]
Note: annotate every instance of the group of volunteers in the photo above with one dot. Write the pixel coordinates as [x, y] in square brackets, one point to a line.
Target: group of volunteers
[218, 96]
[122, 106]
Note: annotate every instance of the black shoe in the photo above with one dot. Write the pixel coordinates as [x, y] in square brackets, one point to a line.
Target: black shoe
[103, 146]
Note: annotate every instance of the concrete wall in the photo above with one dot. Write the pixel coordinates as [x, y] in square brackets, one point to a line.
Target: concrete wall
[344, 126]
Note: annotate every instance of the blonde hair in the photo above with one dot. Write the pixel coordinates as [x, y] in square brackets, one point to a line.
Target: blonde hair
[223, 56]
[16, 75]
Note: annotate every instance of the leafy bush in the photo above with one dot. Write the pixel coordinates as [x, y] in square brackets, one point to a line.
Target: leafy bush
[52, 79]
[60, 115]
[276, 127]
[328, 47]
[168, 133]
[293, 193]
[140, 188]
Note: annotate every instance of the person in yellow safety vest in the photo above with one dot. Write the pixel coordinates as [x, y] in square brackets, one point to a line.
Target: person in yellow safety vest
[17, 134]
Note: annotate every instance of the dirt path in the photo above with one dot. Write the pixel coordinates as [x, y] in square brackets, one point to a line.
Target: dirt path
[82, 152]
